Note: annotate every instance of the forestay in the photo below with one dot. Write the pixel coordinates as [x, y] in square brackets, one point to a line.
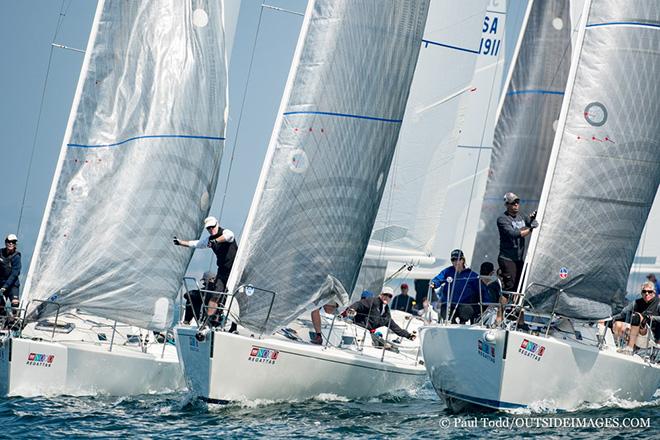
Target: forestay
[527, 120]
[328, 159]
[139, 162]
[605, 167]
[408, 220]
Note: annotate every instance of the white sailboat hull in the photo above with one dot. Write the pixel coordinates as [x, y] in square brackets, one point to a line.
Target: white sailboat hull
[228, 367]
[85, 356]
[37, 368]
[510, 373]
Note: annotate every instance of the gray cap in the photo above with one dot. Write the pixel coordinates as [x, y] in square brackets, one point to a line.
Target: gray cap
[510, 197]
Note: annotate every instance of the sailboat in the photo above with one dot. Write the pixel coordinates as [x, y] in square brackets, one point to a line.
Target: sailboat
[140, 158]
[602, 176]
[313, 212]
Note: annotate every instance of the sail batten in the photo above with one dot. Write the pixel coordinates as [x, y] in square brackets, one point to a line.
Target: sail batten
[139, 162]
[328, 158]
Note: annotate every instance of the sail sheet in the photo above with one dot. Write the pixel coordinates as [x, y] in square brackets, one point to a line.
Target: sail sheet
[409, 215]
[139, 162]
[605, 168]
[527, 121]
[328, 159]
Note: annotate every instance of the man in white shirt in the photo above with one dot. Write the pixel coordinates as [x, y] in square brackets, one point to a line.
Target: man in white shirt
[222, 243]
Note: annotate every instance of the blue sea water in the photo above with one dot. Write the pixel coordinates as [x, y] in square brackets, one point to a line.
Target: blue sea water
[413, 414]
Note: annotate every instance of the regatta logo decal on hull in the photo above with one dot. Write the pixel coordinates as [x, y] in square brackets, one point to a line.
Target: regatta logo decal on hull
[40, 360]
[263, 355]
[486, 350]
[531, 349]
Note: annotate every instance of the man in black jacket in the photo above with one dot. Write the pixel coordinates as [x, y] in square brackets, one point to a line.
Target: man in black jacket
[10, 269]
[513, 227]
[374, 312]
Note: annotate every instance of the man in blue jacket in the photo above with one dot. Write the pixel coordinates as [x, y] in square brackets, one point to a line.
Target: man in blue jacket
[10, 269]
[459, 286]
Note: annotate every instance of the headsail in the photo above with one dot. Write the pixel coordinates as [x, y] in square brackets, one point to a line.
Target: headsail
[605, 168]
[329, 156]
[527, 120]
[408, 220]
[139, 161]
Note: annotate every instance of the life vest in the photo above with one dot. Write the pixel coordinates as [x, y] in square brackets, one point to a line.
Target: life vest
[225, 252]
[5, 263]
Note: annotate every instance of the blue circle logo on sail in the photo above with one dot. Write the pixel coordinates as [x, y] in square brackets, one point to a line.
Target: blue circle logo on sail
[595, 114]
[563, 273]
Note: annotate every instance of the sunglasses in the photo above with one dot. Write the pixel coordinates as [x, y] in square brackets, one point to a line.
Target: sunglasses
[11, 241]
[387, 295]
[211, 227]
[515, 202]
[648, 292]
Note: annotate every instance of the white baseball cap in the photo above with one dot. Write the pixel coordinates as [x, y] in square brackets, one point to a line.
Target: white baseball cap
[210, 222]
[11, 237]
[387, 290]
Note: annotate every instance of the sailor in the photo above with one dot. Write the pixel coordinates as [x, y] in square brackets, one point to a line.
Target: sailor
[374, 312]
[428, 315]
[403, 301]
[328, 309]
[513, 227]
[224, 246]
[195, 298]
[10, 269]
[651, 277]
[459, 285]
[642, 310]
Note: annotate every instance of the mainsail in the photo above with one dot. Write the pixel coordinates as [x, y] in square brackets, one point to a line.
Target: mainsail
[328, 159]
[139, 162]
[409, 216]
[605, 168]
[527, 120]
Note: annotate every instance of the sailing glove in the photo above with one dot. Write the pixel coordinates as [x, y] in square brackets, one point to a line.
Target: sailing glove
[176, 241]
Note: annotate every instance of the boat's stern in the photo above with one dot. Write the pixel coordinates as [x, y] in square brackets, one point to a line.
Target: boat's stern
[195, 356]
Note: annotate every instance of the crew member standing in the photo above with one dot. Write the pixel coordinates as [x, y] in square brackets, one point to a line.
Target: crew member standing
[10, 269]
[513, 227]
[224, 246]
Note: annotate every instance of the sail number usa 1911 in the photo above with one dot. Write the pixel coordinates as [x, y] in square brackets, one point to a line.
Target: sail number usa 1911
[490, 41]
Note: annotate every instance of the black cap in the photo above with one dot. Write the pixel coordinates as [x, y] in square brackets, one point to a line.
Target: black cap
[457, 254]
[486, 268]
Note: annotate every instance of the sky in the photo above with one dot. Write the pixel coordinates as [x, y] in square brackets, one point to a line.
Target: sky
[37, 84]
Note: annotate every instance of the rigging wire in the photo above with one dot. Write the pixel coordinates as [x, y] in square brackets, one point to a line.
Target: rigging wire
[60, 20]
[240, 114]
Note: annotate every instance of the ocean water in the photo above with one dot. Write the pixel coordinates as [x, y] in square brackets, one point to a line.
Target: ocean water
[412, 414]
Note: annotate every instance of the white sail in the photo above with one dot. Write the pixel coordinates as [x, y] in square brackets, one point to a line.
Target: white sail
[139, 162]
[328, 159]
[528, 118]
[408, 219]
[467, 179]
[605, 169]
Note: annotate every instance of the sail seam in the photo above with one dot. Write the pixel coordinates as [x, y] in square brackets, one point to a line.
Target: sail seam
[345, 115]
[153, 136]
[535, 91]
[625, 23]
[449, 46]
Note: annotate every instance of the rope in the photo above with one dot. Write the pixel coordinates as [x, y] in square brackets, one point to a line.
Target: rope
[60, 20]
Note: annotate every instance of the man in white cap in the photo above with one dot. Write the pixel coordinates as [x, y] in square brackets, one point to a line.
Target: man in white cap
[513, 227]
[374, 312]
[222, 243]
[10, 269]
